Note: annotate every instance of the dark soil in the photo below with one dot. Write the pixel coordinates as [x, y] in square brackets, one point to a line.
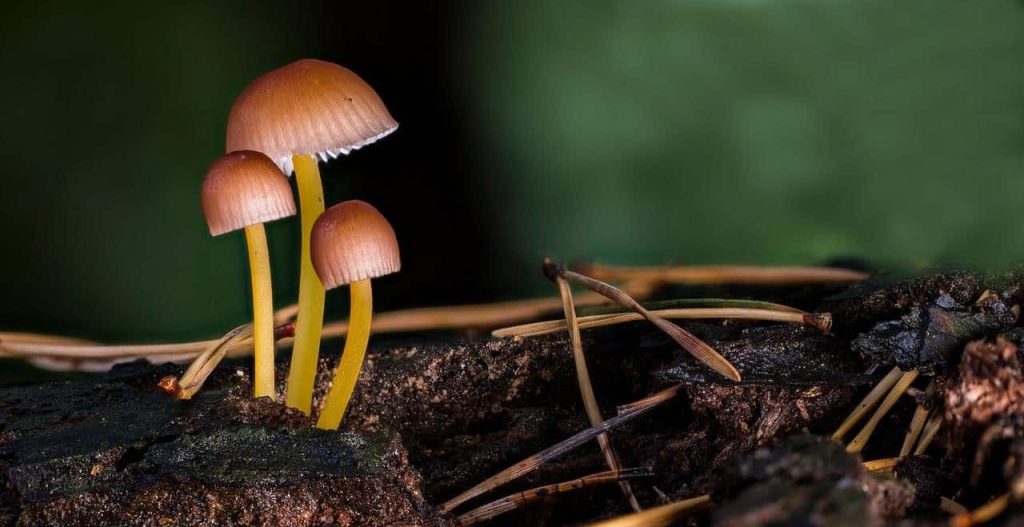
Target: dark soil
[435, 414]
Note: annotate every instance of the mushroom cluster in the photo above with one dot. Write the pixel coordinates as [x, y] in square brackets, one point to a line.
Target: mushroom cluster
[284, 122]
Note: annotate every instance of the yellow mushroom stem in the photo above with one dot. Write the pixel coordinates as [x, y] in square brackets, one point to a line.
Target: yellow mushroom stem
[345, 377]
[262, 311]
[310, 318]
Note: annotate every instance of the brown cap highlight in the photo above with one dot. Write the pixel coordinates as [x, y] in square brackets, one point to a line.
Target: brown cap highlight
[308, 107]
[352, 241]
[244, 188]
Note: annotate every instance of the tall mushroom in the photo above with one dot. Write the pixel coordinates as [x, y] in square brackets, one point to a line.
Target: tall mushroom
[351, 243]
[245, 190]
[295, 114]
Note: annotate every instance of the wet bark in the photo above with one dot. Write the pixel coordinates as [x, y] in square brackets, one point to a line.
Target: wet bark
[434, 414]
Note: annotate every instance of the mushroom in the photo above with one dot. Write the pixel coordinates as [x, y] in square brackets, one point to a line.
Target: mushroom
[245, 190]
[295, 114]
[351, 243]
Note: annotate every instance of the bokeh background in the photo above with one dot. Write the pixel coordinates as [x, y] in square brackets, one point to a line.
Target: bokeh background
[704, 131]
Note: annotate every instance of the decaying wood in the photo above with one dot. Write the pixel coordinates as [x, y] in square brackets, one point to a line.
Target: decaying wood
[435, 417]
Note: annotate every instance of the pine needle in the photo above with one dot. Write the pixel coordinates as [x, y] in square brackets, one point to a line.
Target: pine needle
[869, 402]
[203, 365]
[881, 465]
[587, 388]
[821, 321]
[696, 347]
[931, 428]
[537, 460]
[951, 507]
[917, 423]
[982, 514]
[650, 400]
[726, 274]
[861, 440]
[514, 501]
[75, 351]
[659, 516]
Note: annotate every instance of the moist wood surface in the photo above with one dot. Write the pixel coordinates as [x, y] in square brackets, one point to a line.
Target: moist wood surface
[436, 413]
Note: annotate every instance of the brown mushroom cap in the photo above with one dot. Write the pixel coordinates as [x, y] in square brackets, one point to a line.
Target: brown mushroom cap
[245, 188]
[308, 107]
[352, 241]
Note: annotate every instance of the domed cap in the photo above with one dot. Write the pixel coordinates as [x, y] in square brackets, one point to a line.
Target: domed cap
[352, 241]
[308, 107]
[245, 188]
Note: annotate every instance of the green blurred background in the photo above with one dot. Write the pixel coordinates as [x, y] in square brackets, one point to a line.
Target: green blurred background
[737, 131]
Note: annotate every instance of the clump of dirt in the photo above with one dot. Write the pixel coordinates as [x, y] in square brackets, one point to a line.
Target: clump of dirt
[984, 406]
[988, 386]
[930, 337]
[805, 480]
[931, 482]
[794, 379]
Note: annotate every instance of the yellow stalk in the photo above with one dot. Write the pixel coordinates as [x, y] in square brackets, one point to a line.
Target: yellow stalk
[345, 377]
[310, 319]
[262, 312]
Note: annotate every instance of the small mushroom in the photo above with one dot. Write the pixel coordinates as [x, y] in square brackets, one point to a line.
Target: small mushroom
[245, 190]
[295, 114]
[351, 244]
